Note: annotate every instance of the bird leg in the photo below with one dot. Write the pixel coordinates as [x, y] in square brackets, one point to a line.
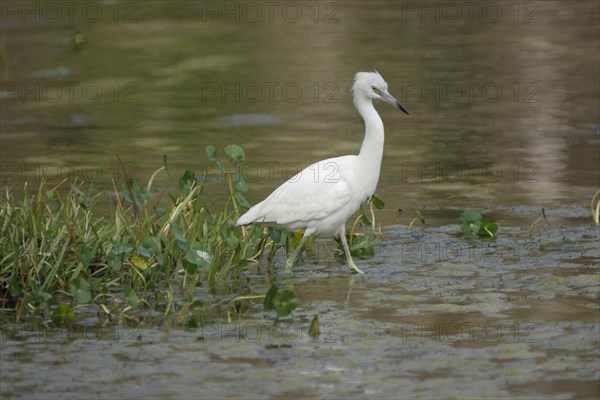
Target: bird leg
[349, 259]
[294, 257]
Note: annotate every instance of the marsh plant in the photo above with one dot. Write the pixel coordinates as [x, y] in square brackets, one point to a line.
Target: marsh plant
[151, 249]
[57, 251]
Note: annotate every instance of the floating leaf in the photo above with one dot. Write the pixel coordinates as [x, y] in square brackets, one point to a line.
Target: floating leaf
[81, 290]
[488, 227]
[473, 223]
[282, 302]
[470, 222]
[285, 303]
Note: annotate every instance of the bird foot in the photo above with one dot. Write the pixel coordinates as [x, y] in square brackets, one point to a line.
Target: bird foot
[354, 268]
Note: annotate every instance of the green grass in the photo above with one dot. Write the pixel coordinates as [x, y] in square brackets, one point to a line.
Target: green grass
[140, 247]
[152, 246]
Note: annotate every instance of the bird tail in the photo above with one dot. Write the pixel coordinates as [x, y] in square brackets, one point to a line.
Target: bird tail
[249, 217]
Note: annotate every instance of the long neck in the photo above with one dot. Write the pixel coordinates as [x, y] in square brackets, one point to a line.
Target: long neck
[371, 151]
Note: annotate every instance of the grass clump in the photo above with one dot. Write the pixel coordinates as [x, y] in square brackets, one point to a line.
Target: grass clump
[56, 249]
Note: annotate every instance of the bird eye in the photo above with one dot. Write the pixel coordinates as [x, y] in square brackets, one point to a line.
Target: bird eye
[375, 89]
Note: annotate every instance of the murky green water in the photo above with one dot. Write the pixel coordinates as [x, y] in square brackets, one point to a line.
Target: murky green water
[504, 119]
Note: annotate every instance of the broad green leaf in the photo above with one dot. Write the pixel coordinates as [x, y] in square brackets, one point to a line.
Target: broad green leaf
[187, 180]
[81, 290]
[38, 293]
[181, 241]
[275, 235]
[240, 197]
[198, 256]
[64, 313]
[488, 227]
[132, 191]
[232, 241]
[363, 216]
[147, 247]
[470, 222]
[473, 223]
[236, 153]
[286, 303]
[51, 195]
[362, 247]
[377, 202]
[190, 268]
[269, 302]
[131, 296]
[14, 287]
[113, 260]
[211, 152]
[177, 232]
[41, 296]
[240, 183]
[220, 166]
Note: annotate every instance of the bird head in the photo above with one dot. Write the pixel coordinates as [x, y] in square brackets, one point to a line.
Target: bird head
[372, 86]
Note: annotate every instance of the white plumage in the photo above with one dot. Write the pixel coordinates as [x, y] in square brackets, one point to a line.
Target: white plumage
[322, 197]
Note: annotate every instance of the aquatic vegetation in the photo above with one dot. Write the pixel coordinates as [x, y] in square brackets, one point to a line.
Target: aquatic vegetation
[419, 217]
[473, 223]
[282, 303]
[543, 217]
[150, 251]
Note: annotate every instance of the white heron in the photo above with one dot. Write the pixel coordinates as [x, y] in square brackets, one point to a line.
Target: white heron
[322, 197]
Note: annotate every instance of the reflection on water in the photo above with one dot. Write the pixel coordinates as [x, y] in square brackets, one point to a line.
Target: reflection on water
[504, 118]
[502, 102]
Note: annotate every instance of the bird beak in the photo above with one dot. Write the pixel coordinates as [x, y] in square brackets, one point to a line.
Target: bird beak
[390, 99]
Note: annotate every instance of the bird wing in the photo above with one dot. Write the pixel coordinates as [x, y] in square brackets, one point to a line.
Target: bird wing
[314, 193]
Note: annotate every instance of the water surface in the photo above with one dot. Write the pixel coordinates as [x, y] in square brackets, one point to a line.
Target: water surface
[504, 119]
